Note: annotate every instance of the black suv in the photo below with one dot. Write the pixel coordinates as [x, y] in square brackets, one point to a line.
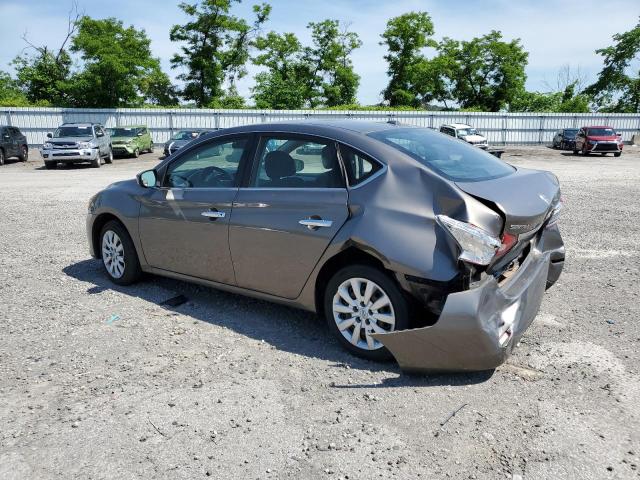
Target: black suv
[12, 144]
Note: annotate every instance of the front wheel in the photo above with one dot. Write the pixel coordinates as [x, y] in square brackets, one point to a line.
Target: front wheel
[119, 256]
[360, 300]
[109, 158]
[1, 157]
[617, 154]
[136, 153]
[24, 154]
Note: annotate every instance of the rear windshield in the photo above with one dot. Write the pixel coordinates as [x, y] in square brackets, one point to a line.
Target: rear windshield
[451, 158]
[601, 132]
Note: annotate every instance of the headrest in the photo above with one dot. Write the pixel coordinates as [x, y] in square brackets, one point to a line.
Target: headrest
[329, 157]
[278, 164]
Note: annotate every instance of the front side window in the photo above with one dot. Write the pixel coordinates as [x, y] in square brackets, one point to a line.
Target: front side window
[213, 165]
[454, 160]
[358, 167]
[290, 162]
[186, 135]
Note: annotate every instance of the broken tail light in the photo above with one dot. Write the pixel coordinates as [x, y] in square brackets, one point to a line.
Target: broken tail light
[477, 245]
[508, 241]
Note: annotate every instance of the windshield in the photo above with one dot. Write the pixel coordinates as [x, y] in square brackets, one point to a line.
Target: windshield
[124, 132]
[450, 158]
[73, 132]
[600, 132]
[186, 135]
[463, 132]
[570, 133]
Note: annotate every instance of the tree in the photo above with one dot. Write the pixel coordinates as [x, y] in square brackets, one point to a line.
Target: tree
[118, 65]
[617, 88]
[333, 81]
[216, 47]
[10, 93]
[404, 37]
[157, 89]
[485, 73]
[285, 82]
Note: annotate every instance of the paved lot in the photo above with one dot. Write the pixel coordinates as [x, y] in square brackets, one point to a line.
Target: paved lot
[102, 382]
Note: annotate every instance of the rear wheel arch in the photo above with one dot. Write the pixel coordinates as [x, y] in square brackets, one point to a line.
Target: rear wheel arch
[352, 255]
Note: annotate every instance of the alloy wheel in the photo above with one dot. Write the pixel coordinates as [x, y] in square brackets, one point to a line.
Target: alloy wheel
[113, 254]
[361, 307]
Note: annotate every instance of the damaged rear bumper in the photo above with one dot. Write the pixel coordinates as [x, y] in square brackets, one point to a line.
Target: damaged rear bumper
[478, 328]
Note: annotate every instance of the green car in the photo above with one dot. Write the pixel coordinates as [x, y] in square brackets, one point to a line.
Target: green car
[131, 140]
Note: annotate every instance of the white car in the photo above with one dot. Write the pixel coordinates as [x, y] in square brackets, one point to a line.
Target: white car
[466, 133]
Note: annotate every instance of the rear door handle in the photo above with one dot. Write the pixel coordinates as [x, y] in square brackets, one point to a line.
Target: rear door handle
[213, 214]
[315, 223]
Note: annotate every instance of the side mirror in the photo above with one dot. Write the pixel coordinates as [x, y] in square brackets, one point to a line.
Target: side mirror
[147, 179]
[299, 165]
[49, 135]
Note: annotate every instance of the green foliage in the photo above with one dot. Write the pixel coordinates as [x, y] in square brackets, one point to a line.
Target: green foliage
[10, 93]
[404, 37]
[333, 80]
[566, 101]
[485, 72]
[44, 76]
[215, 47]
[285, 83]
[617, 89]
[118, 65]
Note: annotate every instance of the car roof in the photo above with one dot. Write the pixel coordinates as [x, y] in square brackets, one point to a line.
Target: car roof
[457, 125]
[131, 126]
[598, 126]
[324, 126]
[78, 124]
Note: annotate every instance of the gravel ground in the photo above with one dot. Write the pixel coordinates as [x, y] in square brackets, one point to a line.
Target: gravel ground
[98, 381]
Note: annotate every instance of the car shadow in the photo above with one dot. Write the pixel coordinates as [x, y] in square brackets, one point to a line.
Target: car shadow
[285, 328]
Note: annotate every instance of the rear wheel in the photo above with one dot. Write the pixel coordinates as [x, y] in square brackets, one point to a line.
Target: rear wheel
[24, 153]
[360, 300]
[119, 257]
[1, 157]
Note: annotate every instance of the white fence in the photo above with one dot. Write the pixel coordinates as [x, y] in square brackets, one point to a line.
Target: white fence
[501, 128]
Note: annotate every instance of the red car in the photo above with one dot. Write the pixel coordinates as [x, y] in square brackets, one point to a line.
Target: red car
[598, 139]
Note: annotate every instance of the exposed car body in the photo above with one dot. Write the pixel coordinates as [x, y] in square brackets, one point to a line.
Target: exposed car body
[182, 137]
[13, 144]
[401, 237]
[600, 139]
[77, 143]
[565, 139]
[131, 140]
[467, 133]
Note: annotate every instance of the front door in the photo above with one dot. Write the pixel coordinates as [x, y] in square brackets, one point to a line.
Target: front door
[184, 225]
[284, 220]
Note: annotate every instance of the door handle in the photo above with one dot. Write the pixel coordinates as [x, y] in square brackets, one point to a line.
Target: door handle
[213, 214]
[314, 223]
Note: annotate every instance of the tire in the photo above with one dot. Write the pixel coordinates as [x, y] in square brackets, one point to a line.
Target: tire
[602, 153]
[1, 157]
[24, 153]
[617, 154]
[109, 158]
[50, 165]
[136, 153]
[151, 147]
[115, 243]
[396, 309]
[96, 163]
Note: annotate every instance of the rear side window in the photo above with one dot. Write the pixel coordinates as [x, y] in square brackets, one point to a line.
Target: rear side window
[454, 160]
[358, 167]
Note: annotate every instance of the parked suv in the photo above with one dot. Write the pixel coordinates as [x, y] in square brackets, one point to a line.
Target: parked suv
[466, 133]
[598, 139]
[77, 143]
[182, 137]
[565, 139]
[131, 140]
[12, 144]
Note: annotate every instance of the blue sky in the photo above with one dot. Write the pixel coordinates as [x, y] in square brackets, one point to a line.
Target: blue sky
[556, 34]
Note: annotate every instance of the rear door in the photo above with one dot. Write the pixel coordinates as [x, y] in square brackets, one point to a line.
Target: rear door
[184, 225]
[284, 218]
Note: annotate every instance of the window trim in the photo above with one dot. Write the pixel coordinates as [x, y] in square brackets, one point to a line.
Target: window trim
[260, 140]
[240, 173]
[383, 166]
